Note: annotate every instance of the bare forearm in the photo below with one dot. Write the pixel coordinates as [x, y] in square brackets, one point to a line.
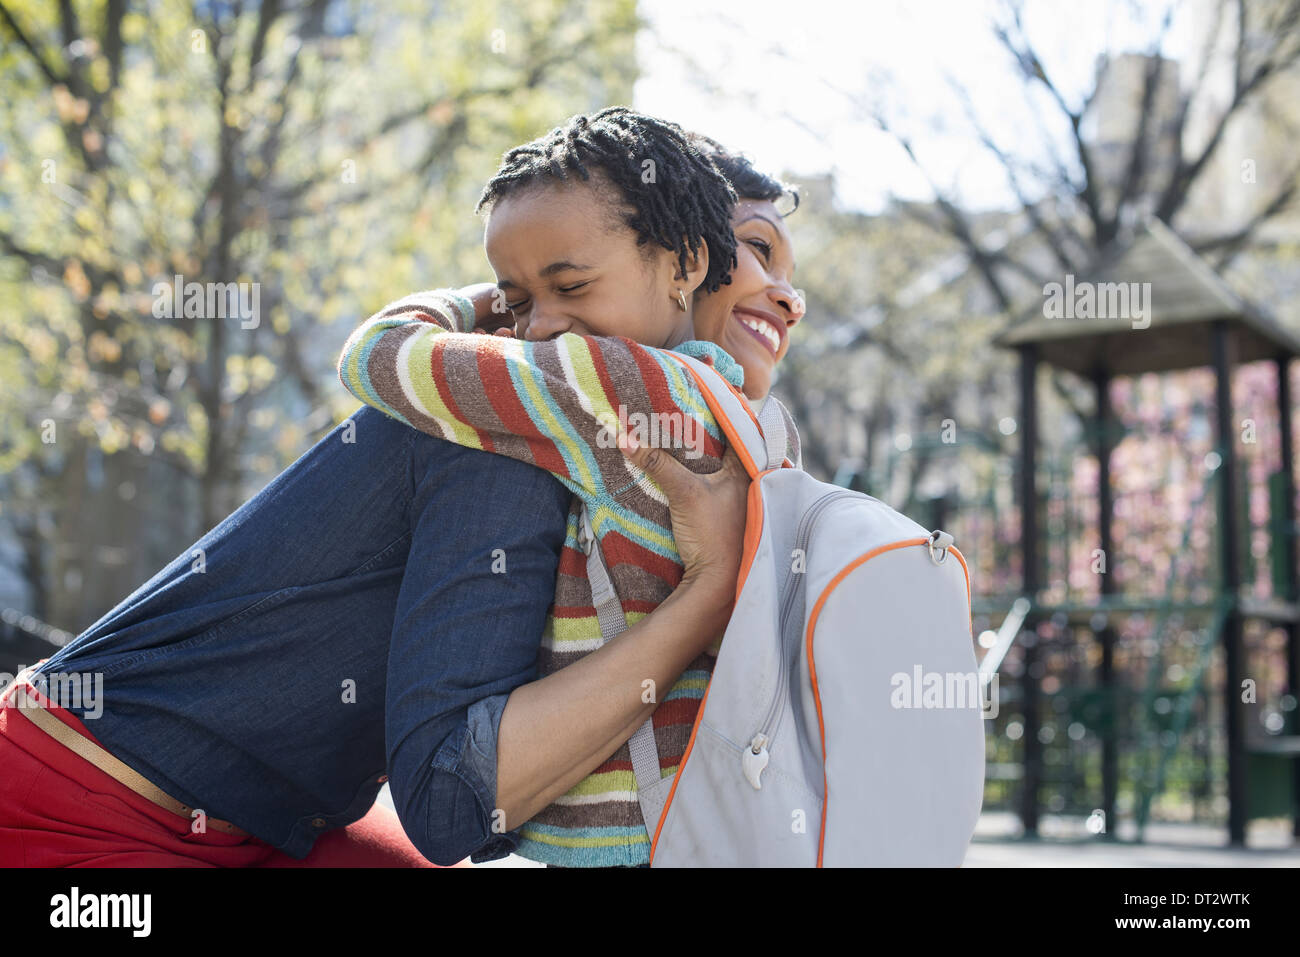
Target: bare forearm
[558, 729]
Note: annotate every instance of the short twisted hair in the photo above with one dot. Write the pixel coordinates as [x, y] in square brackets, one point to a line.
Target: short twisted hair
[684, 204]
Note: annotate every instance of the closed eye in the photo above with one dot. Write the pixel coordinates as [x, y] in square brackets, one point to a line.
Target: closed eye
[575, 287]
[765, 247]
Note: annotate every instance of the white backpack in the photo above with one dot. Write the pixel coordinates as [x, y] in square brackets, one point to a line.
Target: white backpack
[842, 724]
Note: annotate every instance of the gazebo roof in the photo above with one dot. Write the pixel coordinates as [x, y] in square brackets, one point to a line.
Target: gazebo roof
[1184, 297]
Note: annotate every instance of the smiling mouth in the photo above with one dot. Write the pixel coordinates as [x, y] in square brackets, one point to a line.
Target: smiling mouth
[760, 330]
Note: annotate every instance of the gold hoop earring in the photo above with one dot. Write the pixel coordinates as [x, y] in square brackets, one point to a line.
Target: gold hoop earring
[681, 299]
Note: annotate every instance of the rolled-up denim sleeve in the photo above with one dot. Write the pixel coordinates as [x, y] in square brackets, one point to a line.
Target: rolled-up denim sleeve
[468, 759]
[486, 536]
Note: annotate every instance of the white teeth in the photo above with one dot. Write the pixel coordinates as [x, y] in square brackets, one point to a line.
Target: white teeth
[765, 330]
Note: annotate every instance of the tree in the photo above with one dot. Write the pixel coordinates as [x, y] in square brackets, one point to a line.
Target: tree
[1076, 209]
[269, 168]
[910, 318]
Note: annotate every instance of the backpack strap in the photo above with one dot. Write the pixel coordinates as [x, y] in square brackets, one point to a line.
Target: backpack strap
[609, 612]
[645, 765]
[772, 422]
[793, 447]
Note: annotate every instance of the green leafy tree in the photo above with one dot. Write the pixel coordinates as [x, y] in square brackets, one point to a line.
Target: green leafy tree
[320, 157]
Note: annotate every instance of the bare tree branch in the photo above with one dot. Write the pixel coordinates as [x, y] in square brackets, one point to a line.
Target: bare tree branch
[1245, 82]
[1031, 67]
[1028, 207]
[1230, 245]
[1135, 171]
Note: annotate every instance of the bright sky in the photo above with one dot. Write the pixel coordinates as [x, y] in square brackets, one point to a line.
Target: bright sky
[787, 82]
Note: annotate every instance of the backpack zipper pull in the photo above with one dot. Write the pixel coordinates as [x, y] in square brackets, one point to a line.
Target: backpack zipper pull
[940, 541]
[754, 759]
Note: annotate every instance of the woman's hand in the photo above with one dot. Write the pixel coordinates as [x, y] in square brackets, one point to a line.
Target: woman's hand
[708, 513]
[490, 313]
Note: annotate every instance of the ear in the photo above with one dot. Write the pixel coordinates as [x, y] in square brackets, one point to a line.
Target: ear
[697, 267]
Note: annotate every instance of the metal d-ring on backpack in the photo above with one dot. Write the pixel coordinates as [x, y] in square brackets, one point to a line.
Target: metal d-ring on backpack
[842, 724]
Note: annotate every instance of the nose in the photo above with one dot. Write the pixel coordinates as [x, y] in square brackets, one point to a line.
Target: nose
[545, 323]
[789, 301]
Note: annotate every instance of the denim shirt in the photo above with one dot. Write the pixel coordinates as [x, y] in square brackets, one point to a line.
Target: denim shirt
[364, 616]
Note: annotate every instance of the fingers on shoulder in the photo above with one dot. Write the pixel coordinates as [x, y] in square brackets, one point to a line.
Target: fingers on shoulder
[658, 464]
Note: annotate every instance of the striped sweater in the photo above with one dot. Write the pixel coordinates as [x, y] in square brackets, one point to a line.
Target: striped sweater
[546, 403]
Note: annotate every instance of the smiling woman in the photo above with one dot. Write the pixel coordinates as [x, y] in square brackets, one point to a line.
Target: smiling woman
[604, 273]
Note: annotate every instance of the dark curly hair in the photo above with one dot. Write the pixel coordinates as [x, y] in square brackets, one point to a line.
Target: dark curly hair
[745, 179]
[685, 202]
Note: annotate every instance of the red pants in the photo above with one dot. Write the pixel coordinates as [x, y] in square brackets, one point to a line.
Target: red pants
[59, 810]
